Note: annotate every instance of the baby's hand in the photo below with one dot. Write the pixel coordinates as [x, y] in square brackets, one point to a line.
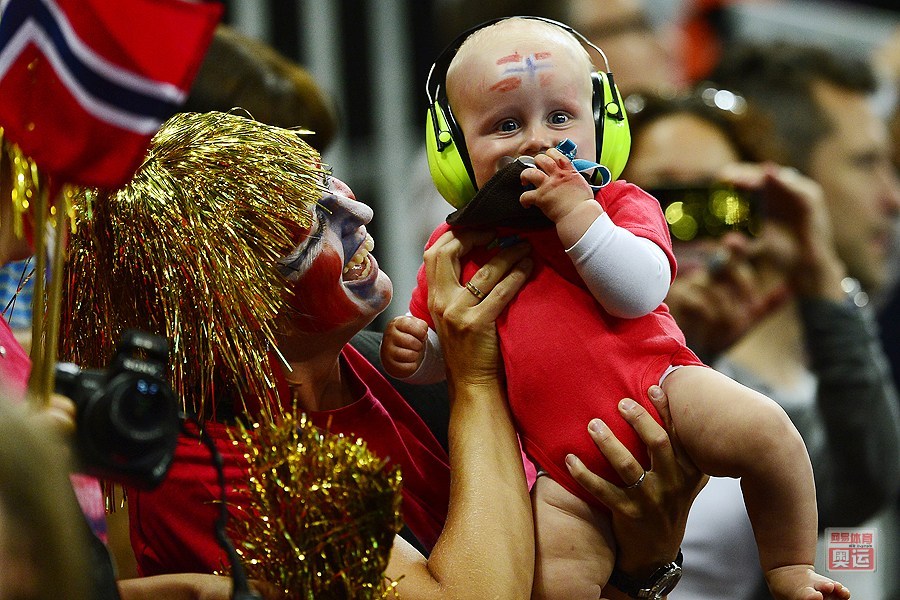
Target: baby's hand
[801, 582]
[403, 346]
[558, 187]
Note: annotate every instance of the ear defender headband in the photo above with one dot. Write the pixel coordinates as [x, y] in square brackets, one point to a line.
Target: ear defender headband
[448, 158]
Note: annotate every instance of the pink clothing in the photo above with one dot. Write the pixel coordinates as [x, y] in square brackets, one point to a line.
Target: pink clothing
[15, 368]
[567, 360]
[172, 527]
[15, 365]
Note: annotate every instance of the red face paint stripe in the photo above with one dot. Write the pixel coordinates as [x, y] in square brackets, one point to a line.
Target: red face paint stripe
[321, 301]
[507, 85]
[511, 58]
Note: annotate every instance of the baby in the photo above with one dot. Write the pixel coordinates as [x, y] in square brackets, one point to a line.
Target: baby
[590, 327]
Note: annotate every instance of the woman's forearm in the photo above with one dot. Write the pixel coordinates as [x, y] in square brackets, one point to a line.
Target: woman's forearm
[487, 548]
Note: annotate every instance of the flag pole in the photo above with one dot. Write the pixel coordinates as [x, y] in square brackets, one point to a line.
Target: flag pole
[37, 394]
[54, 294]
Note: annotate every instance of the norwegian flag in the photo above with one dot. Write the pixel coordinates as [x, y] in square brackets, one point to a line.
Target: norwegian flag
[84, 84]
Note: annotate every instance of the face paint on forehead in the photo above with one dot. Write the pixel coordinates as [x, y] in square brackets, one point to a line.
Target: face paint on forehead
[516, 67]
[507, 85]
[512, 58]
[530, 66]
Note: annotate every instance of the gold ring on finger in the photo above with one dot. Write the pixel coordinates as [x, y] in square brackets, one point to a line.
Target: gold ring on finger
[475, 291]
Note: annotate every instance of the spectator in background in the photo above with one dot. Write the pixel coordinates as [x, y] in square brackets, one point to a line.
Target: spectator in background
[823, 112]
[775, 311]
[641, 56]
[886, 60]
[43, 538]
[244, 73]
[819, 109]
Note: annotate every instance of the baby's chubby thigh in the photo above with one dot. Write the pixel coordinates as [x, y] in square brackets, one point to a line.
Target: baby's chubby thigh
[723, 426]
[575, 545]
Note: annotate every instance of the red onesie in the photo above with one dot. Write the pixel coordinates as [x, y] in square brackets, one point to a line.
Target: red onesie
[172, 526]
[567, 360]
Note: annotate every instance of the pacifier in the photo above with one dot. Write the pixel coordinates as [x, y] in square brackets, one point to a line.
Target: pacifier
[569, 149]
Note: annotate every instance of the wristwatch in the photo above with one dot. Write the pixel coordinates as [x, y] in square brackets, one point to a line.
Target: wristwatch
[660, 583]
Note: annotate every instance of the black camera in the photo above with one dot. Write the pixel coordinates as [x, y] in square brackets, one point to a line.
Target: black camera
[127, 417]
[709, 211]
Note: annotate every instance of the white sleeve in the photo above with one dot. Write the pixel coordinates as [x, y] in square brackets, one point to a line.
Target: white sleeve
[627, 274]
[432, 368]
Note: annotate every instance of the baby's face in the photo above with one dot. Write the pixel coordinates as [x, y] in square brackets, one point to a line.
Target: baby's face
[521, 93]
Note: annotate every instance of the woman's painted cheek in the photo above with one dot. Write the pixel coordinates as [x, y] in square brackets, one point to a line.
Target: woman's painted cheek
[318, 297]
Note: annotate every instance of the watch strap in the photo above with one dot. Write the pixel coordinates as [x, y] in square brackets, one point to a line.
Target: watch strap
[639, 589]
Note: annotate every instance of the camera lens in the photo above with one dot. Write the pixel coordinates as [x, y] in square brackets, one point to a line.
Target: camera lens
[141, 410]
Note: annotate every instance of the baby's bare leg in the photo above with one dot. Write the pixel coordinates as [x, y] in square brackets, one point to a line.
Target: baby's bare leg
[730, 430]
[574, 552]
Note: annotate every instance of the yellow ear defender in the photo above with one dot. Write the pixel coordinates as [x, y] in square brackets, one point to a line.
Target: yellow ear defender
[448, 159]
[449, 164]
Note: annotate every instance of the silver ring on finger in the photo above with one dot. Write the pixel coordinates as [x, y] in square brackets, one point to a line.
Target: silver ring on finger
[475, 291]
[637, 483]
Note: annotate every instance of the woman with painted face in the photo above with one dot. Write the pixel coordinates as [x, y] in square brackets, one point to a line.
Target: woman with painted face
[235, 243]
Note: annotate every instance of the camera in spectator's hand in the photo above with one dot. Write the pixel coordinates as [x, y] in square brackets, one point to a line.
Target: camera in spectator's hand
[127, 417]
[696, 212]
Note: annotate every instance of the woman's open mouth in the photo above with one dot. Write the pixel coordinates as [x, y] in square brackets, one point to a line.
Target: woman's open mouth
[360, 264]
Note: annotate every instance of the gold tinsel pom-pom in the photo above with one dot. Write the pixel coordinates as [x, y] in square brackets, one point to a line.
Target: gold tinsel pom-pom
[320, 512]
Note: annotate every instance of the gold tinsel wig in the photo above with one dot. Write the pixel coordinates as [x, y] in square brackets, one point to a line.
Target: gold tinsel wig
[187, 250]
